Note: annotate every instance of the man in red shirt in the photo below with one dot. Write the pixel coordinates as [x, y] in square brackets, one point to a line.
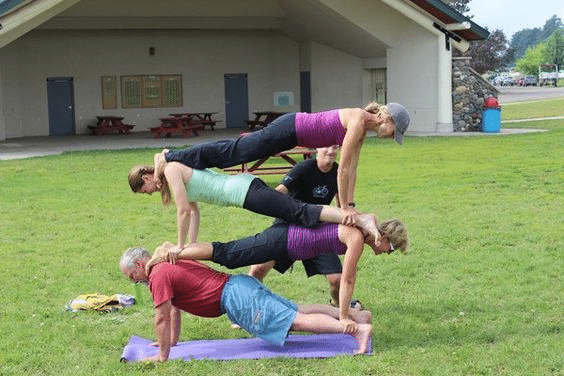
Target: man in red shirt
[202, 291]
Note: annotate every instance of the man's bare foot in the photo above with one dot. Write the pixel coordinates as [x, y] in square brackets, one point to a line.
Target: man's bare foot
[367, 222]
[362, 337]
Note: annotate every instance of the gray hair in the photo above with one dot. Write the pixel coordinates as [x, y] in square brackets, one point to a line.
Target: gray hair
[131, 255]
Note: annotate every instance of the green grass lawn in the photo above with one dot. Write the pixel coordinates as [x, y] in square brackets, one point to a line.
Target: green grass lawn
[533, 109]
[479, 293]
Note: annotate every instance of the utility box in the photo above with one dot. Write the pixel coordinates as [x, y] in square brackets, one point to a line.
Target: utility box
[491, 116]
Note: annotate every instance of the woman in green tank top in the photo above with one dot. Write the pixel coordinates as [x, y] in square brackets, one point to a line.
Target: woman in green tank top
[186, 186]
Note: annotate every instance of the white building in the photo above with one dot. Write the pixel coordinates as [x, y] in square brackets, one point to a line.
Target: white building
[64, 62]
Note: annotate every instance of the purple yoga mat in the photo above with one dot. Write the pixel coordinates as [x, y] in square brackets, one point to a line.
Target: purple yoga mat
[297, 346]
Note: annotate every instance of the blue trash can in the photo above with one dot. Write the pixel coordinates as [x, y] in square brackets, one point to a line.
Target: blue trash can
[491, 120]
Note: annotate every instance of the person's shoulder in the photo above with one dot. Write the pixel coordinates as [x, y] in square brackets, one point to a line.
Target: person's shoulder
[350, 232]
[176, 167]
[302, 166]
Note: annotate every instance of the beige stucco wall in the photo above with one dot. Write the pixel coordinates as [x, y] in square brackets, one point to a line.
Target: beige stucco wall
[270, 60]
[413, 78]
[336, 78]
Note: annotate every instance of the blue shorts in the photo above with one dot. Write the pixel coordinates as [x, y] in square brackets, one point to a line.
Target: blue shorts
[251, 305]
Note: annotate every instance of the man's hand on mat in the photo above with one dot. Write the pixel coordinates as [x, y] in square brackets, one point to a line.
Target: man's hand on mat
[350, 326]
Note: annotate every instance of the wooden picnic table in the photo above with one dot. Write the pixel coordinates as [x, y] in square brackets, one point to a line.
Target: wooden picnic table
[203, 118]
[110, 124]
[263, 118]
[176, 125]
[258, 167]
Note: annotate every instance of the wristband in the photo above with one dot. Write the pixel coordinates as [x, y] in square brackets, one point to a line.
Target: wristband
[352, 204]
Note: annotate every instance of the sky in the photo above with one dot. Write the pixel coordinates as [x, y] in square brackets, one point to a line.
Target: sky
[512, 16]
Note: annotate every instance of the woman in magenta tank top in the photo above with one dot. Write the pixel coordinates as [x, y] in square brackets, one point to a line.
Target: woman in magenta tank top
[346, 127]
[285, 243]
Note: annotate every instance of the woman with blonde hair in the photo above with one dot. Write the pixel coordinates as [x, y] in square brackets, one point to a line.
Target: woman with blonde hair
[346, 127]
[186, 186]
[282, 244]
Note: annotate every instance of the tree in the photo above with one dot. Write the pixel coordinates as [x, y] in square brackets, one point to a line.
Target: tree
[460, 5]
[554, 51]
[489, 54]
[554, 23]
[529, 64]
[522, 40]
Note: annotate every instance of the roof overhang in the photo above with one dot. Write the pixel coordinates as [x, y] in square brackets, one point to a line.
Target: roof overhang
[22, 16]
[452, 20]
[18, 17]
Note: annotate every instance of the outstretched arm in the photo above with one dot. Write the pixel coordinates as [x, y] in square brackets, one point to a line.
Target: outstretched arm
[354, 241]
[350, 154]
[175, 325]
[163, 330]
[194, 226]
[175, 177]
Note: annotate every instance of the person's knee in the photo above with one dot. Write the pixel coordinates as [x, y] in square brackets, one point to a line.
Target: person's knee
[334, 281]
[259, 271]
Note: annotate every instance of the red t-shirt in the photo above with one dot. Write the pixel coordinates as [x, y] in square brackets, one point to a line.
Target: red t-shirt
[191, 286]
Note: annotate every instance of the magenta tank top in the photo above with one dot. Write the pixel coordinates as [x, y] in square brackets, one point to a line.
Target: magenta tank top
[319, 129]
[304, 243]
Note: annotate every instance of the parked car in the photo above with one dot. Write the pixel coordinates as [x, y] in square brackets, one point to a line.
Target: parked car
[507, 81]
[496, 81]
[530, 81]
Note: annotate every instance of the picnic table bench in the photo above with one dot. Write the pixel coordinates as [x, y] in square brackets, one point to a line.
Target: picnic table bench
[258, 167]
[263, 118]
[202, 118]
[110, 124]
[176, 125]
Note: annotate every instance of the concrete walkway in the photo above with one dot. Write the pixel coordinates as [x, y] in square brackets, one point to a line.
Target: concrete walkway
[535, 119]
[26, 147]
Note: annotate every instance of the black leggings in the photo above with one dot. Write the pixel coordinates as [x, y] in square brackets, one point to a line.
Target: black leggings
[262, 199]
[278, 136]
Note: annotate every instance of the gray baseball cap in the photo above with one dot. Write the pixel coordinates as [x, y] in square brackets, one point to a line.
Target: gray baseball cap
[400, 116]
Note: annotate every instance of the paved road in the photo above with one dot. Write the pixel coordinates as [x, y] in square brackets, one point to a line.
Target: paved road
[510, 94]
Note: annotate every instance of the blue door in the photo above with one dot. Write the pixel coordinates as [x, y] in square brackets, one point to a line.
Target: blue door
[305, 91]
[236, 100]
[60, 101]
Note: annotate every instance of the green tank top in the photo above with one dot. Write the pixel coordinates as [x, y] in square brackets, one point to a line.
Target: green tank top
[218, 189]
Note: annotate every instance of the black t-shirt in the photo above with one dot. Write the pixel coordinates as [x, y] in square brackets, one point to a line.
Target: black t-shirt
[307, 183]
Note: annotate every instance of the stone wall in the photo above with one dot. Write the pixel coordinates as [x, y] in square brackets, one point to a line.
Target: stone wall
[469, 91]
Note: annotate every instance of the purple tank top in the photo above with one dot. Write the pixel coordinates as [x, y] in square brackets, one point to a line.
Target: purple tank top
[304, 243]
[319, 129]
